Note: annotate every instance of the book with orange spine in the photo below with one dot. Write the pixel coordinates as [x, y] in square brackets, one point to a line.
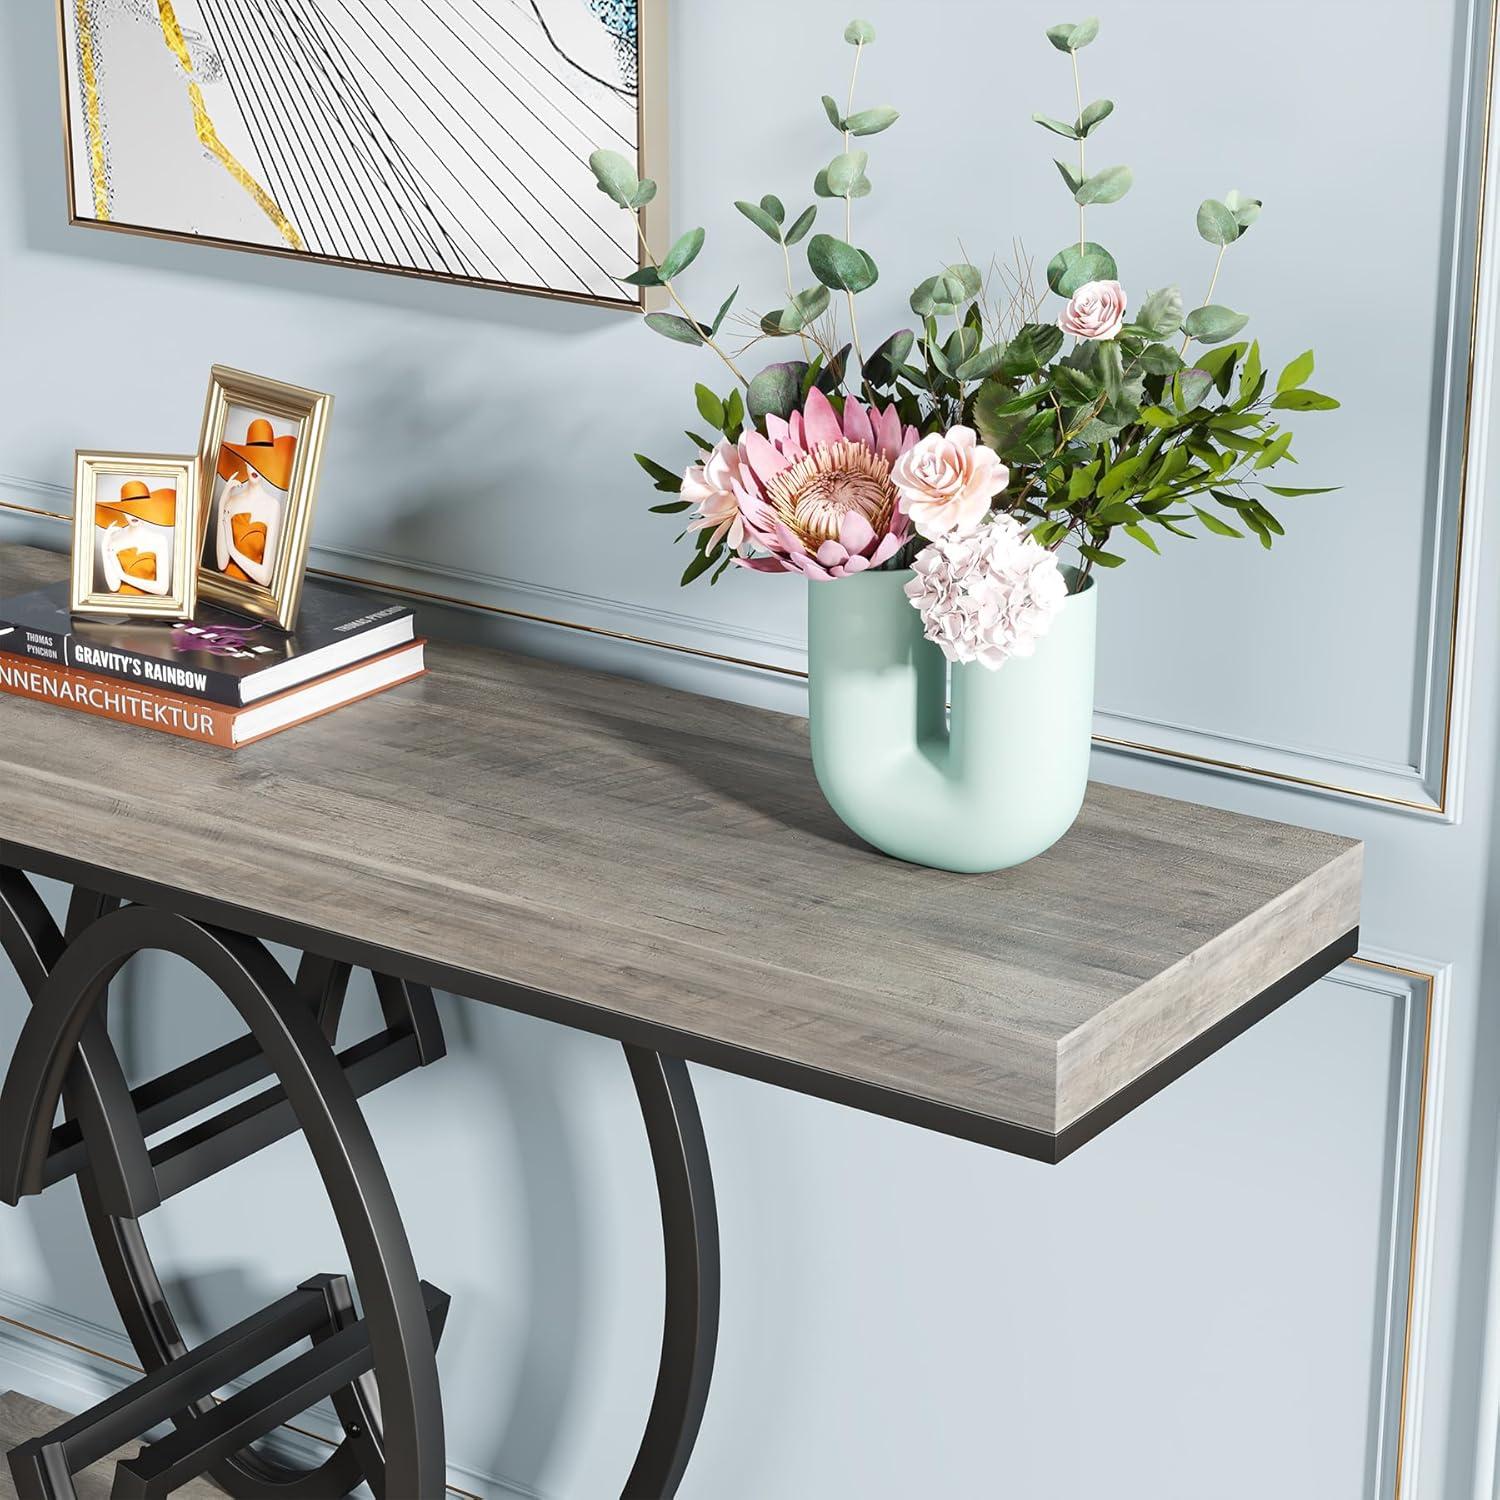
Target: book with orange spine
[196, 719]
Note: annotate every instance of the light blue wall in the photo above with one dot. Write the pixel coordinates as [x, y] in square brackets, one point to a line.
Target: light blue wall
[1211, 1300]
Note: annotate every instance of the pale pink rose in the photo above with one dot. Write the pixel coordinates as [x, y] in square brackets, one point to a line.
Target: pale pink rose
[1095, 311]
[947, 482]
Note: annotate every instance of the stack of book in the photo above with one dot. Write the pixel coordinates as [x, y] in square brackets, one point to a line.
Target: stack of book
[221, 679]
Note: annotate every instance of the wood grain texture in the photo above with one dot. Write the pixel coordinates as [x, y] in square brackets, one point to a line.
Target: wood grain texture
[667, 859]
[22, 1419]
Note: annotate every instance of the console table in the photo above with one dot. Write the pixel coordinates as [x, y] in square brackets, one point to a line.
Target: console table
[648, 865]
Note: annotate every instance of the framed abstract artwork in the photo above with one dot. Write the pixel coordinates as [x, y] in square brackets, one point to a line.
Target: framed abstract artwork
[437, 138]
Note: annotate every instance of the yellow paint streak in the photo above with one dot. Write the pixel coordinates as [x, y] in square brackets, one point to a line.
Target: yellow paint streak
[85, 24]
[208, 135]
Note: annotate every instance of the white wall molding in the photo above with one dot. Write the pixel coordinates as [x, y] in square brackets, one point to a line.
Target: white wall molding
[1423, 990]
[722, 657]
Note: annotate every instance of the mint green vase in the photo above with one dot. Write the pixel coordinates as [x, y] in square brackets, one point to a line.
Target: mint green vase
[986, 786]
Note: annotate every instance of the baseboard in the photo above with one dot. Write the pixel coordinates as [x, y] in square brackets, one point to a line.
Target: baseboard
[72, 1364]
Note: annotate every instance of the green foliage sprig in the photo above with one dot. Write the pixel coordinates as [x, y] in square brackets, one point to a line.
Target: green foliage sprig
[1123, 434]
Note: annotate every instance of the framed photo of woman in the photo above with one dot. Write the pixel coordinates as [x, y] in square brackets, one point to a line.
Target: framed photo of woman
[259, 457]
[135, 533]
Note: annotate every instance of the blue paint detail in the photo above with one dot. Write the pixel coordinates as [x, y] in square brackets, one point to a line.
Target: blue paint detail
[619, 17]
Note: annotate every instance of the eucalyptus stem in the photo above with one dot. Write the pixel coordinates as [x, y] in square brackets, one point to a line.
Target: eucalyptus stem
[1082, 173]
[734, 369]
[1208, 297]
[791, 295]
[849, 208]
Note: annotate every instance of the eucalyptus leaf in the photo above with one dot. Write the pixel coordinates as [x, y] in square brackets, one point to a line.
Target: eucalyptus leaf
[938, 296]
[644, 193]
[1108, 186]
[1190, 387]
[845, 170]
[832, 110]
[1161, 313]
[859, 33]
[798, 313]
[872, 121]
[723, 313]
[1070, 174]
[804, 222]
[1245, 210]
[777, 390]
[839, 265]
[1068, 36]
[646, 276]
[670, 326]
[861, 188]
[775, 207]
[983, 364]
[1214, 324]
[1073, 267]
[1216, 223]
[1058, 127]
[763, 221]
[1100, 109]
[615, 176]
[682, 254]
[882, 363]
[820, 184]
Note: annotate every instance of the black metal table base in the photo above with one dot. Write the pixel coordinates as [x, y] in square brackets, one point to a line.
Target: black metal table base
[378, 1365]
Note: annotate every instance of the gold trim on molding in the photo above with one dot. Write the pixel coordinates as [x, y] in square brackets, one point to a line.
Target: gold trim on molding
[751, 663]
[1428, 982]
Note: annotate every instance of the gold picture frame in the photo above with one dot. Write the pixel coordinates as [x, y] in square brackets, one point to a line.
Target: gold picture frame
[261, 446]
[135, 535]
[86, 163]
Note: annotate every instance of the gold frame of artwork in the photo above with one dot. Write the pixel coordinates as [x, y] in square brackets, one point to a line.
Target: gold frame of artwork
[88, 468]
[278, 602]
[652, 161]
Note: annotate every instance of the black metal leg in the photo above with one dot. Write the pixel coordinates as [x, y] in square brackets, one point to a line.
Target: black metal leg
[322, 1099]
[690, 1230]
[393, 1421]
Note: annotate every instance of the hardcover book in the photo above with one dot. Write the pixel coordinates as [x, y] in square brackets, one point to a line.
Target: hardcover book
[217, 656]
[195, 719]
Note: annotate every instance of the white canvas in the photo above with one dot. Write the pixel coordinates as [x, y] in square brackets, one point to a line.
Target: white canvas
[446, 138]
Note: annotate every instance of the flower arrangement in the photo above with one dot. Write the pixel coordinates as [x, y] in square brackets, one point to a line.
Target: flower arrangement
[975, 446]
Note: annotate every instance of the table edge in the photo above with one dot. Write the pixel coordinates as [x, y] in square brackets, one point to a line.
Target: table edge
[871, 1098]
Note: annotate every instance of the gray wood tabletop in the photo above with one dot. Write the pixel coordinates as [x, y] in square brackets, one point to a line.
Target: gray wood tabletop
[661, 868]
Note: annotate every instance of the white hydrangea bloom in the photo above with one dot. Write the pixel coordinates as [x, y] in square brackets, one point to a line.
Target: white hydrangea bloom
[987, 596]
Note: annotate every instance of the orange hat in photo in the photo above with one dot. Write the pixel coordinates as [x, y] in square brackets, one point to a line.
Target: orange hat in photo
[263, 453]
[138, 502]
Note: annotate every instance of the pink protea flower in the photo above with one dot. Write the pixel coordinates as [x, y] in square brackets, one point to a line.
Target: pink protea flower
[823, 503]
[721, 489]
